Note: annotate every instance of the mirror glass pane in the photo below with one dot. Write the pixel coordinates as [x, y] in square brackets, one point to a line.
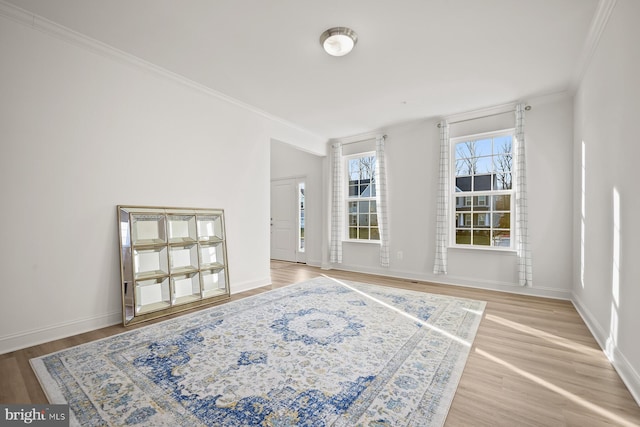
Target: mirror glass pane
[182, 228]
[210, 228]
[211, 255]
[213, 282]
[148, 229]
[152, 295]
[186, 288]
[183, 258]
[150, 262]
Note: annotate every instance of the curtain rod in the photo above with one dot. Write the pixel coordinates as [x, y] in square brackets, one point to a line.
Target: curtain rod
[360, 140]
[527, 108]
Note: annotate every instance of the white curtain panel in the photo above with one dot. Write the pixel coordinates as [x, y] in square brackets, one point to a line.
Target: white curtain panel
[381, 188]
[525, 276]
[442, 213]
[337, 204]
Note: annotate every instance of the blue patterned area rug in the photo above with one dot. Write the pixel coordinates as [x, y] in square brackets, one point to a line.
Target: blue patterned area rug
[319, 353]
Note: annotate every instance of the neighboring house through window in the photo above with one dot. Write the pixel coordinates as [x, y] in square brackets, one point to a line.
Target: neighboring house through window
[482, 191]
[362, 218]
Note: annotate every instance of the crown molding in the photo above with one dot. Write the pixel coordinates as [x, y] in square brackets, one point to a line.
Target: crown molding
[361, 137]
[598, 24]
[68, 35]
[475, 114]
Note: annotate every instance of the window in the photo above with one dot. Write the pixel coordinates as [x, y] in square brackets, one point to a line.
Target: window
[482, 191]
[301, 216]
[362, 220]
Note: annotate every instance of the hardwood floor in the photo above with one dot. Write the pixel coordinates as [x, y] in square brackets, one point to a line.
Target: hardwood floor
[533, 362]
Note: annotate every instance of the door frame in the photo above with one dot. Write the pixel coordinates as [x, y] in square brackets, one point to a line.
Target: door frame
[300, 255]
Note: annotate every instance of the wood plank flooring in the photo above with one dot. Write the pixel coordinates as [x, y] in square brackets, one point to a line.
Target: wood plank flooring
[533, 362]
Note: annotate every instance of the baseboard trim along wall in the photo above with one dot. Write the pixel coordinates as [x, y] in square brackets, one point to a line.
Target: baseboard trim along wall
[38, 336]
[54, 332]
[458, 281]
[247, 286]
[629, 376]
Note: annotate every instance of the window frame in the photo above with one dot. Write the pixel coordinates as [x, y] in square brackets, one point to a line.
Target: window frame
[486, 195]
[347, 199]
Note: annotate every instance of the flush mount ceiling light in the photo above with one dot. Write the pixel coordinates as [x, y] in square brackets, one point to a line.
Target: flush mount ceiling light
[338, 41]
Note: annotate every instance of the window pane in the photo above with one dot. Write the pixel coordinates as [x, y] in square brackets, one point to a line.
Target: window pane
[365, 189]
[501, 238]
[363, 220]
[503, 162]
[353, 191]
[373, 188]
[481, 237]
[353, 220]
[363, 233]
[503, 144]
[374, 220]
[463, 220]
[481, 220]
[482, 182]
[464, 150]
[502, 203]
[502, 181]
[463, 183]
[363, 207]
[501, 220]
[375, 234]
[463, 203]
[372, 206]
[353, 233]
[480, 203]
[463, 237]
[353, 207]
[482, 147]
[484, 165]
[354, 169]
[463, 167]
[368, 167]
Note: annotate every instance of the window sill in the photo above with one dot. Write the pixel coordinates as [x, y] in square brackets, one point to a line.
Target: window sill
[366, 242]
[489, 249]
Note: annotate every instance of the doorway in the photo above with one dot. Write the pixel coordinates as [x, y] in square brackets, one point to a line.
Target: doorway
[288, 220]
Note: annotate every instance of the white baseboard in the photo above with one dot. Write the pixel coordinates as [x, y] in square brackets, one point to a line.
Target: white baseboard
[458, 281]
[621, 364]
[45, 334]
[236, 288]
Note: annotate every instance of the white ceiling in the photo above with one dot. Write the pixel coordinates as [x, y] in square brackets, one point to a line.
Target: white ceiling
[414, 58]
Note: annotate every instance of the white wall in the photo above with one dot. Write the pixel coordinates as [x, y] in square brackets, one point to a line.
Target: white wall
[412, 173]
[606, 285]
[288, 161]
[83, 131]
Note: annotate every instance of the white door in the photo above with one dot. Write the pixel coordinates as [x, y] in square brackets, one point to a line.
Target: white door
[286, 243]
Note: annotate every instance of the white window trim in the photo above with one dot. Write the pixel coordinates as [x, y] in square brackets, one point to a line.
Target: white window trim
[453, 194]
[346, 159]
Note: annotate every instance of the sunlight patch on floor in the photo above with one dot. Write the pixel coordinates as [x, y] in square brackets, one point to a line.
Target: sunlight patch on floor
[615, 418]
[554, 339]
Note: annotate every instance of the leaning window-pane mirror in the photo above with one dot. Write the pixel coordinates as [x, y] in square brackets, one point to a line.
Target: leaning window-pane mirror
[171, 259]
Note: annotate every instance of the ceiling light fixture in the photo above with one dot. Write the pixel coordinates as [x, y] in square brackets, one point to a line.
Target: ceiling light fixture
[338, 41]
